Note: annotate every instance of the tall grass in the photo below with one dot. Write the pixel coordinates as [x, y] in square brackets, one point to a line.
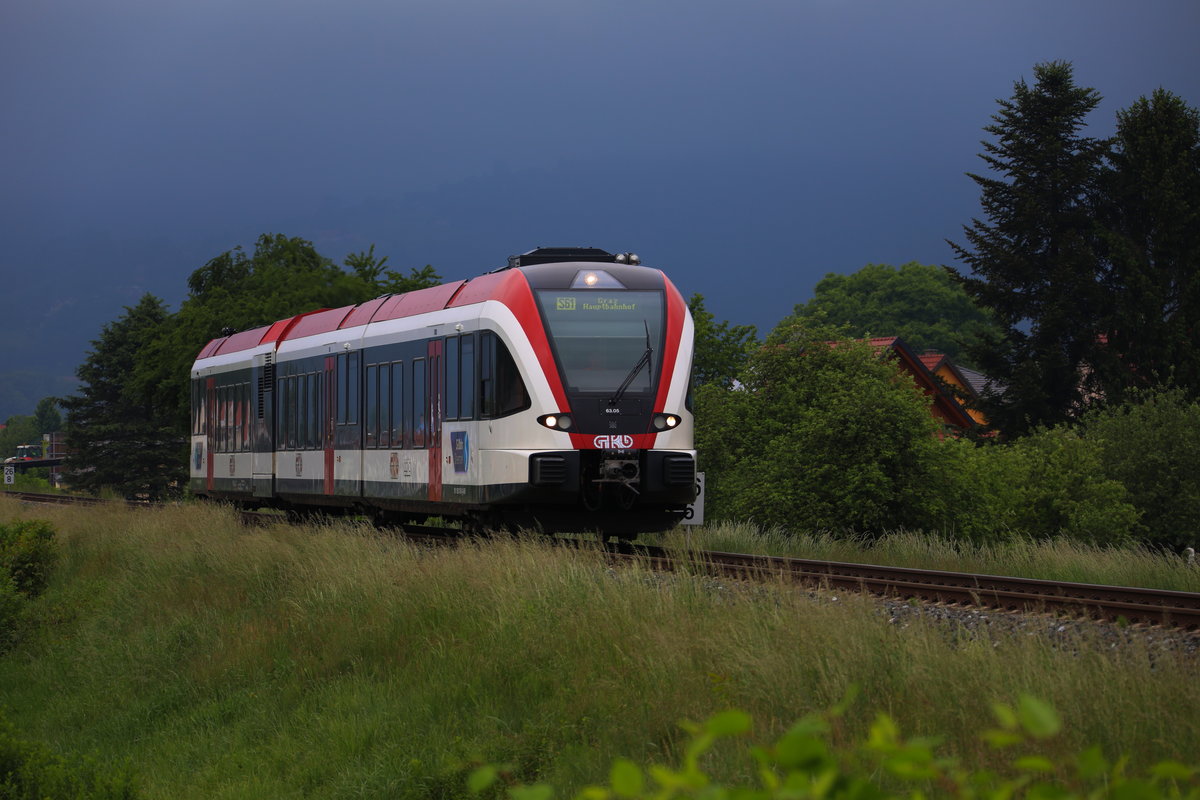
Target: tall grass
[1048, 559]
[331, 661]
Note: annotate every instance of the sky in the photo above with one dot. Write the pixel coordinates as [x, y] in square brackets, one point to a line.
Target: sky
[746, 148]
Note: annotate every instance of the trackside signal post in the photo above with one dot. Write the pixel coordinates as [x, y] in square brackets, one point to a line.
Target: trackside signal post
[695, 512]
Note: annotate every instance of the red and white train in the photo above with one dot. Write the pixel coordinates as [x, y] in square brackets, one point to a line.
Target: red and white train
[553, 393]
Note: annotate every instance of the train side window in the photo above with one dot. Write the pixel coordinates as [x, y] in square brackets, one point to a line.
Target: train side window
[243, 398]
[511, 395]
[418, 409]
[225, 419]
[293, 411]
[301, 410]
[501, 389]
[301, 388]
[372, 421]
[248, 415]
[218, 418]
[466, 380]
[195, 408]
[397, 404]
[248, 429]
[352, 392]
[341, 389]
[202, 408]
[219, 433]
[314, 410]
[385, 405]
[487, 380]
[450, 394]
[280, 414]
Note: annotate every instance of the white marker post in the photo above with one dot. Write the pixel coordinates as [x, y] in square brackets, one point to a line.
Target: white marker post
[695, 512]
[10, 475]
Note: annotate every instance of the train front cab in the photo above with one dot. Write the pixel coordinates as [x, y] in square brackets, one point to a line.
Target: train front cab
[620, 338]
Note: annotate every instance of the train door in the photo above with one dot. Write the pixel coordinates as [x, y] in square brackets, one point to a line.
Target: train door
[261, 421]
[210, 389]
[434, 399]
[330, 420]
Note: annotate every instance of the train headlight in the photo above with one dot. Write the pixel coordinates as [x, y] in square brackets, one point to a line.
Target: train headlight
[664, 422]
[558, 422]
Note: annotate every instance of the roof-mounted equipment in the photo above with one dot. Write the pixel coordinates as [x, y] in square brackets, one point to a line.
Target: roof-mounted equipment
[554, 255]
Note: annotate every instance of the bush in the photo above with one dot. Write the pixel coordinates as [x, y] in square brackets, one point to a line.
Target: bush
[1050, 483]
[1152, 447]
[12, 611]
[802, 765]
[818, 435]
[31, 771]
[27, 554]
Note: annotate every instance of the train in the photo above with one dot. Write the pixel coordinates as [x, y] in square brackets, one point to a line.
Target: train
[552, 393]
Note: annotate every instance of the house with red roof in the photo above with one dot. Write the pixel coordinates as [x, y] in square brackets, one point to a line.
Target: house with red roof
[946, 385]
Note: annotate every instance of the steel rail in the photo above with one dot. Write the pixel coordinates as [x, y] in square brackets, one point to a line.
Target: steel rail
[1114, 603]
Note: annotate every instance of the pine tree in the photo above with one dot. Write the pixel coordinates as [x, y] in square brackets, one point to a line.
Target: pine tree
[1151, 212]
[1033, 262]
[121, 438]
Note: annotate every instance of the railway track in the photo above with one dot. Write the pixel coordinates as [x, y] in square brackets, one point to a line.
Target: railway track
[1161, 607]
[1112, 603]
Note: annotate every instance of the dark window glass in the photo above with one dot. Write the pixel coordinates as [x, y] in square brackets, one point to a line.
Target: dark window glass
[281, 387]
[293, 412]
[451, 389]
[301, 388]
[398, 404]
[599, 337]
[314, 410]
[243, 416]
[372, 420]
[352, 393]
[487, 374]
[343, 377]
[467, 377]
[385, 405]
[225, 419]
[202, 405]
[219, 399]
[501, 389]
[418, 410]
[248, 430]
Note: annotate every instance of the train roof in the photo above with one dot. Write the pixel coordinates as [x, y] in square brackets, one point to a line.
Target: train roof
[540, 271]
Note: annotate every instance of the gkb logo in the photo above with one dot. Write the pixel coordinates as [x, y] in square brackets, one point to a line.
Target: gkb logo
[614, 442]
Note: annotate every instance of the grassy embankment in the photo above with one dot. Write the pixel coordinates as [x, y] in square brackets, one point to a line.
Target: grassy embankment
[331, 661]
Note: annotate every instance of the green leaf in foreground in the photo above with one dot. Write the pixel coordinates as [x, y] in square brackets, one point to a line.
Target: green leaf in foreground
[626, 778]
[1038, 718]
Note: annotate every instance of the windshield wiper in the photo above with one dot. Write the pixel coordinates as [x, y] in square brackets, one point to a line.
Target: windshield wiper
[644, 361]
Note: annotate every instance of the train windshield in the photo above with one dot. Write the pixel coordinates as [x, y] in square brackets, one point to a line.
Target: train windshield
[600, 337]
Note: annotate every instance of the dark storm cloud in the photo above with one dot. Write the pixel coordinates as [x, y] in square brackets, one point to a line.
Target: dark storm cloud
[747, 148]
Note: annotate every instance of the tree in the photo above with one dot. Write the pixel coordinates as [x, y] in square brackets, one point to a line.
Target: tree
[46, 415]
[1151, 213]
[1034, 262]
[1151, 445]
[917, 302]
[18, 429]
[122, 435]
[235, 291]
[721, 349]
[819, 435]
